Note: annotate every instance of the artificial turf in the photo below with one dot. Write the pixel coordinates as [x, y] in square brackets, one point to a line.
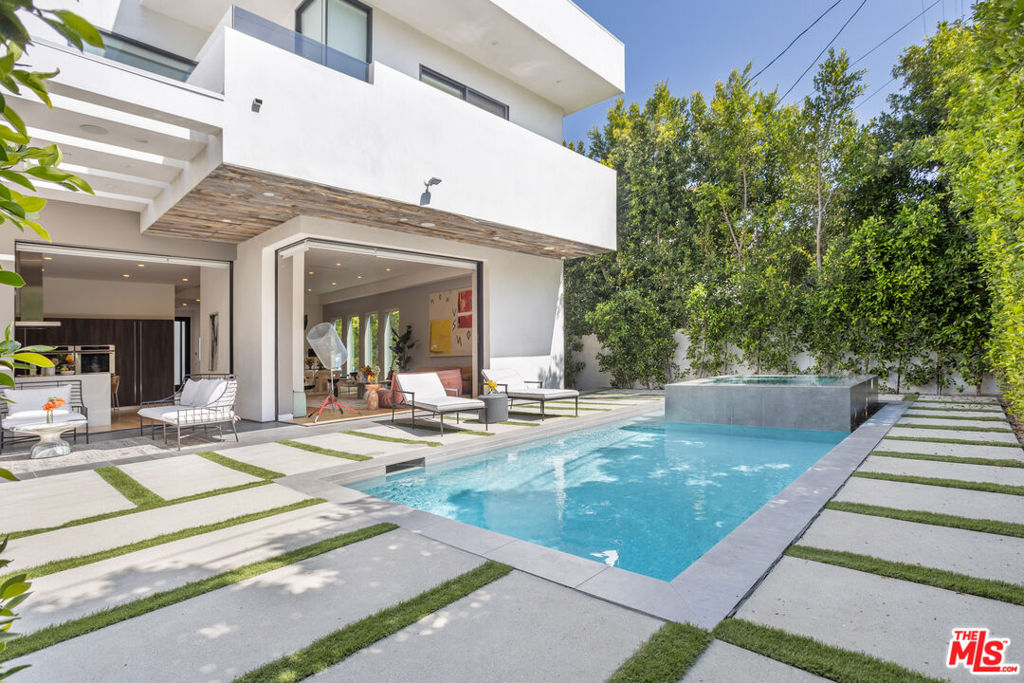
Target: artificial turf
[985, 486]
[240, 466]
[346, 641]
[324, 451]
[57, 633]
[392, 439]
[988, 526]
[990, 462]
[138, 494]
[665, 657]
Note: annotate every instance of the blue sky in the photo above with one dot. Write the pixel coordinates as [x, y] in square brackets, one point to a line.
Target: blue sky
[693, 43]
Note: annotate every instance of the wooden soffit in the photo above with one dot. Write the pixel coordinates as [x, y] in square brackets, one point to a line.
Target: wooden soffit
[229, 205]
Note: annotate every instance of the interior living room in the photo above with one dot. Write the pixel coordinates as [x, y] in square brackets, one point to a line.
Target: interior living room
[393, 311]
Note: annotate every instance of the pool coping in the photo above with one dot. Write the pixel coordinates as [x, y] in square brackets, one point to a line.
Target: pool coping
[703, 594]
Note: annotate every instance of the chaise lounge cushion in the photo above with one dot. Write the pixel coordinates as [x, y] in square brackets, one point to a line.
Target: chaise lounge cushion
[517, 388]
[27, 417]
[428, 393]
[186, 415]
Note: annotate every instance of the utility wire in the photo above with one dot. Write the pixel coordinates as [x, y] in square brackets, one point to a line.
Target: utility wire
[896, 32]
[811, 65]
[776, 57]
[858, 105]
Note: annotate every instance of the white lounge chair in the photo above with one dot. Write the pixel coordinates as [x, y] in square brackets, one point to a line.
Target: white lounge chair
[424, 391]
[200, 403]
[515, 387]
[24, 405]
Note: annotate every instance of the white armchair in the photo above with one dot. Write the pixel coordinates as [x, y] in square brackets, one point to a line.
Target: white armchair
[209, 400]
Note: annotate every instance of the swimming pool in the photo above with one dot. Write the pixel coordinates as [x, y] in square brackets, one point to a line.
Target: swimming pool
[778, 380]
[647, 495]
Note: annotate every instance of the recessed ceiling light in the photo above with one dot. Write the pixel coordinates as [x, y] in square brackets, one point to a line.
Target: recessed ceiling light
[359, 277]
[311, 272]
[141, 265]
[337, 264]
[309, 290]
[42, 270]
[268, 194]
[428, 224]
[197, 300]
[403, 220]
[225, 220]
[47, 258]
[184, 304]
[95, 130]
[126, 275]
[549, 248]
[184, 279]
[334, 283]
[388, 269]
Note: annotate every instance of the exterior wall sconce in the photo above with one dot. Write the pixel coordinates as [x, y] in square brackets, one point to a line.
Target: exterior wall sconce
[256, 104]
[427, 184]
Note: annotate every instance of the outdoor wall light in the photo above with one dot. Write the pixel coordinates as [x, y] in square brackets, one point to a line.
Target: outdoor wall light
[256, 104]
[427, 184]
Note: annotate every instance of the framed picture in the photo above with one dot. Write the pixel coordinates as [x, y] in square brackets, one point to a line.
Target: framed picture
[214, 320]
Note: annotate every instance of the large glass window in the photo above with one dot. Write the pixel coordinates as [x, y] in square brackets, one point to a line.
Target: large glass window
[371, 340]
[391, 329]
[343, 25]
[352, 342]
[142, 56]
[456, 89]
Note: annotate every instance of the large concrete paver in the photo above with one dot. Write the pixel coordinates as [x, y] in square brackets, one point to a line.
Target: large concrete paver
[952, 423]
[221, 635]
[957, 413]
[1013, 476]
[953, 433]
[184, 475]
[51, 501]
[281, 458]
[725, 663]
[898, 621]
[984, 556]
[76, 592]
[957, 449]
[939, 499]
[111, 533]
[519, 628]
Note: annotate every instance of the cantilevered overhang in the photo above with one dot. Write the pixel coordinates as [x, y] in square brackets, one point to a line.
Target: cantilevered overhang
[550, 47]
[233, 204]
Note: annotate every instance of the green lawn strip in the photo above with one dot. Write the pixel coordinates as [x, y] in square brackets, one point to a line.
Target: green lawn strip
[132, 511]
[665, 657]
[989, 462]
[987, 526]
[929, 576]
[950, 428]
[985, 486]
[814, 656]
[57, 633]
[515, 423]
[72, 562]
[324, 451]
[138, 494]
[961, 442]
[956, 410]
[392, 439]
[955, 417]
[346, 641]
[240, 466]
[448, 429]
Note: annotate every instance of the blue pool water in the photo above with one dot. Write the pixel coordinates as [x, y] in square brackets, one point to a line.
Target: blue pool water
[783, 380]
[648, 495]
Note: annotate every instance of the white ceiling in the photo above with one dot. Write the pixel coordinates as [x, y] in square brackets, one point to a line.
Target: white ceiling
[330, 271]
[114, 270]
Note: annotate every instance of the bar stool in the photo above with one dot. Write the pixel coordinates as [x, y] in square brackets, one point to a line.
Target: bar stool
[115, 382]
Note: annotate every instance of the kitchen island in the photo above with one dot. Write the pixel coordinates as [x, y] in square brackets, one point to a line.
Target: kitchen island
[95, 392]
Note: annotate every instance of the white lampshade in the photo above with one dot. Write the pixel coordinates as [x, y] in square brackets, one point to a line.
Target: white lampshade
[328, 347]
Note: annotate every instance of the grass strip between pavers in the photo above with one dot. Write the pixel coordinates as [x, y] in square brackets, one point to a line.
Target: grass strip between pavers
[392, 439]
[814, 656]
[138, 494]
[72, 562]
[985, 486]
[956, 410]
[346, 641]
[324, 451]
[132, 511]
[449, 429]
[959, 442]
[240, 466]
[951, 428]
[58, 633]
[929, 576]
[955, 417]
[665, 657]
[988, 462]
[987, 526]
[515, 423]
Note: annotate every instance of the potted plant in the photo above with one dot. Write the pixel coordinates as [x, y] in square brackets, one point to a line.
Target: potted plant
[401, 344]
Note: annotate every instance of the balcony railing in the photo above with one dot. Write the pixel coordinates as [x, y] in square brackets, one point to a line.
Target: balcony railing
[296, 43]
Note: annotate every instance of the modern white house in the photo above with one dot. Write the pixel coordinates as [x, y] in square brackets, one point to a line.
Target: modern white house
[265, 166]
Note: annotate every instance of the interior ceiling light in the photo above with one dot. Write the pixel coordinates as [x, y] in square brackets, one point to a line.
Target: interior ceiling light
[47, 258]
[141, 265]
[95, 130]
[126, 275]
[359, 277]
[268, 194]
[309, 290]
[334, 284]
[184, 279]
[388, 269]
[337, 264]
[428, 224]
[184, 304]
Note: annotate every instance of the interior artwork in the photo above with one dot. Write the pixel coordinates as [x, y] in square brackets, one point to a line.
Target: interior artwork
[451, 322]
[214, 320]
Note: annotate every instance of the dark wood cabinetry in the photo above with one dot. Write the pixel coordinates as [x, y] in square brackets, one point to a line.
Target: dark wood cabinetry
[144, 351]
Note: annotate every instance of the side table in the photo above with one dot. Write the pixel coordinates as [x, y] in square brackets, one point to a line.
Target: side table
[50, 444]
[495, 408]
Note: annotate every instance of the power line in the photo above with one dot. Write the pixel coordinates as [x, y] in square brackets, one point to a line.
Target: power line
[776, 57]
[896, 32]
[857, 106]
[811, 65]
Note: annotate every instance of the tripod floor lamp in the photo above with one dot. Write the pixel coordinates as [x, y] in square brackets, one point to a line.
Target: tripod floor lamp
[332, 355]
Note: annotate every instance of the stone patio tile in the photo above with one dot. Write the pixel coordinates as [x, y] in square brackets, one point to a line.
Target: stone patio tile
[221, 635]
[725, 663]
[952, 423]
[51, 501]
[404, 430]
[957, 449]
[985, 556]
[83, 590]
[957, 413]
[1013, 476]
[952, 433]
[939, 499]
[281, 458]
[184, 475]
[906, 623]
[556, 566]
[932, 398]
[519, 628]
[353, 444]
[111, 533]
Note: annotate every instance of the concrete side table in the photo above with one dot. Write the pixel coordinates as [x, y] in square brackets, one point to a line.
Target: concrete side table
[495, 408]
[50, 444]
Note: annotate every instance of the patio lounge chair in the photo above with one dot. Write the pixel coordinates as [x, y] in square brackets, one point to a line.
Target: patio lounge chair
[203, 400]
[424, 391]
[515, 387]
[26, 406]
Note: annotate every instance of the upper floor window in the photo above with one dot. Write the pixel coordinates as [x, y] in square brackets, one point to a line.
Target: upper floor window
[453, 87]
[142, 56]
[343, 25]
